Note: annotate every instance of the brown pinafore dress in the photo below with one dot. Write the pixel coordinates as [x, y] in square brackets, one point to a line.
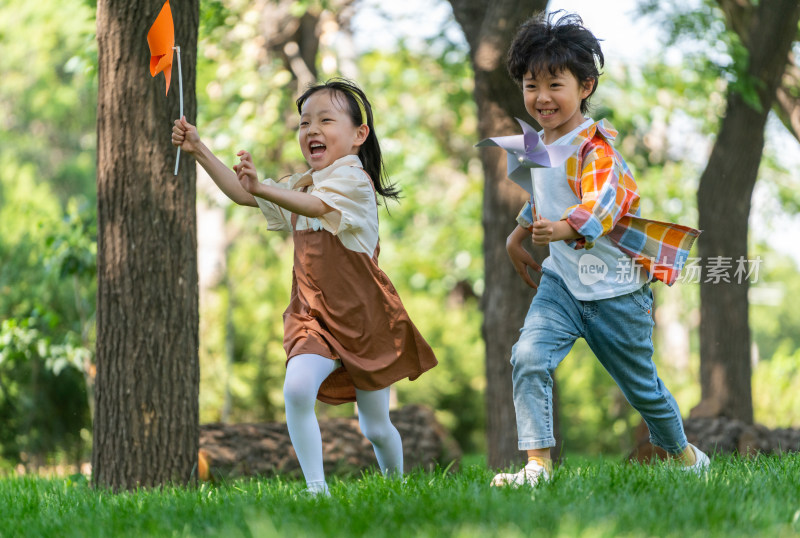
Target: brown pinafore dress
[344, 307]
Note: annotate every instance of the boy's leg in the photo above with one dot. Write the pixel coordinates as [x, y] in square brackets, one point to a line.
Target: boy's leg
[304, 375]
[373, 418]
[619, 331]
[552, 325]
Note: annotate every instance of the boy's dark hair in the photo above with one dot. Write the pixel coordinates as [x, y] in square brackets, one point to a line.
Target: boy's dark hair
[542, 43]
[370, 150]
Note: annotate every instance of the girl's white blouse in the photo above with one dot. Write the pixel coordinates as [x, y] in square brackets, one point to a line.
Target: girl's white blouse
[343, 186]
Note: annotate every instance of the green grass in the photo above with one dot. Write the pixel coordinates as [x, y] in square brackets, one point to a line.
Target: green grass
[759, 497]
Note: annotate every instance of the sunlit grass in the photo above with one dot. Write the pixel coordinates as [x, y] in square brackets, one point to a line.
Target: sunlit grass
[737, 497]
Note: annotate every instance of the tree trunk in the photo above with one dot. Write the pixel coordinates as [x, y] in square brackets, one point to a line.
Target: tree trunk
[723, 200]
[787, 101]
[787, 98]
[146, 412]
[489, 28]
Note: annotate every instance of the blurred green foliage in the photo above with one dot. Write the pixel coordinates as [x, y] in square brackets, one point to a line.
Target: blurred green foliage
[43, 402]
[431, 242]
[47, 228]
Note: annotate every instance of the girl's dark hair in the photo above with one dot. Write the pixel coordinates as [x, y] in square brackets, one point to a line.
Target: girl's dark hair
[370, 150]
[541, 44]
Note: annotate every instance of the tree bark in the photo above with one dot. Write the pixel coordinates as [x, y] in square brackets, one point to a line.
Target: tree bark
[787, 104]
[788, 98]
[489, 28]
[723, 200]
[146, 411]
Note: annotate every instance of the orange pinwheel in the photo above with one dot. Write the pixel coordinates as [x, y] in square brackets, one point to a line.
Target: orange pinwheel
[161, 39]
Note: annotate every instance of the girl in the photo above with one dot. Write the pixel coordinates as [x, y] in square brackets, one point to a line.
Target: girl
[346, 333]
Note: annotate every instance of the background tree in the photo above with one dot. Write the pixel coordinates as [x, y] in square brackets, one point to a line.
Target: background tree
[146, 414]
[739, 17]
[724, 201]
[489, 28]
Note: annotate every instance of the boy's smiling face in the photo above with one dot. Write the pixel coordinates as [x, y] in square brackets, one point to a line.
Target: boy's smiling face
[554, 101]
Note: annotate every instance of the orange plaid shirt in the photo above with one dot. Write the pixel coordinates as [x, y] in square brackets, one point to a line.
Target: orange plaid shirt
[609, 205]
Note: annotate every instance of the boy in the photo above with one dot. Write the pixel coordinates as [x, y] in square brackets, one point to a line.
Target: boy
[590, 219]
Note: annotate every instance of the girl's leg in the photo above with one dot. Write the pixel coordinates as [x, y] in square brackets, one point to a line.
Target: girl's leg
[304, 375]
[373, 417]
[620, 334]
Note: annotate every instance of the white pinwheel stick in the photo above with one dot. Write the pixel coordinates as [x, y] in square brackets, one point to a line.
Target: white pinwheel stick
[180, 93]
[528, 151]
[537, 216]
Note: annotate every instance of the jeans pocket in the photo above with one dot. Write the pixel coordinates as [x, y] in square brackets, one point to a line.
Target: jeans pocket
[643, 298]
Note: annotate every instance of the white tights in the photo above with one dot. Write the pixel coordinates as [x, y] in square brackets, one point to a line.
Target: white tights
[304, 375]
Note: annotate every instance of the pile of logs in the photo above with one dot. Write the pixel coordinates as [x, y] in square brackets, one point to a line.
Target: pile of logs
[264, 449]
[721, 435]
[728, 436]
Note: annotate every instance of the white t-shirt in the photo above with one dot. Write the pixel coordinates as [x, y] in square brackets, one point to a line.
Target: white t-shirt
[600, 272]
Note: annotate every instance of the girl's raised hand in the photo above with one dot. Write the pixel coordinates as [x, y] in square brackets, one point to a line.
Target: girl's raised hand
[184, 134]
[246, 172]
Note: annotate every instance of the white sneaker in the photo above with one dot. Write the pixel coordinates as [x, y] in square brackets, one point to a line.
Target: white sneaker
[317, 489]
[531, 475]
[702, 463]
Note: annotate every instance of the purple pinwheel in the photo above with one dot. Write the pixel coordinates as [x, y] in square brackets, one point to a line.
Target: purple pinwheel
[527, 151]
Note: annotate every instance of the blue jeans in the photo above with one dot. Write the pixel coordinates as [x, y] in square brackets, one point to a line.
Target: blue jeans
[619, 331]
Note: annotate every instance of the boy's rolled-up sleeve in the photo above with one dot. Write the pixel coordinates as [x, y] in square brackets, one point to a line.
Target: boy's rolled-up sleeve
[604, 200]
[525, 216]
